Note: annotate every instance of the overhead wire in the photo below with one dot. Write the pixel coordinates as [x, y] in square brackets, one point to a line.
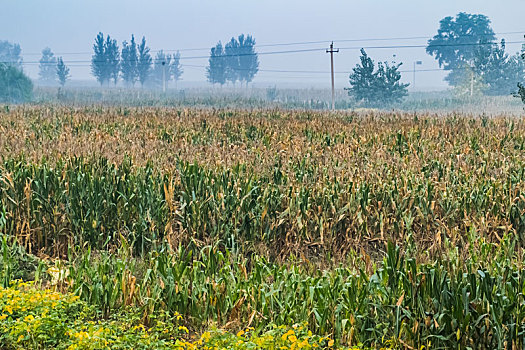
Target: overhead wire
[87, 63]
[292, 43]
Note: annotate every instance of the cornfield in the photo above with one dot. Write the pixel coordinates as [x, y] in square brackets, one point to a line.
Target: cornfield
[378, 229]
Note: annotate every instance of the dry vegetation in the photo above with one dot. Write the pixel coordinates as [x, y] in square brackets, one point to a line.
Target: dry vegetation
[338, 182]
[219, 214]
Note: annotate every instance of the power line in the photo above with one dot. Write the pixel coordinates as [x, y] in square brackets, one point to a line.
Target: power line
[294, 43]
[310, 50]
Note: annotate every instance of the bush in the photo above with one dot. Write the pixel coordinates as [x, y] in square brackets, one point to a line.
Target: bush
[15, 86]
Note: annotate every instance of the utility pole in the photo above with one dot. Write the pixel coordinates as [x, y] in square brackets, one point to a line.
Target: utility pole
[331, 51]
[163, 76]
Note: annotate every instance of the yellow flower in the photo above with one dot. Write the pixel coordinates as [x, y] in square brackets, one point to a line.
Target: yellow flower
[3, 317]
[285, 335]
[240, 333]
[331, 343]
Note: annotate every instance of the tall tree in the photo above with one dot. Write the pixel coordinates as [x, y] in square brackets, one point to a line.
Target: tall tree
[99, 66]
[161, 69]
[112, 54]
[144, 62]
[105, 60]
[62, 72]
[47, 67]
[248, 59]
[176, 68]
[11, 54]
[456, 43]
[376, 87]
[129, 62]
[233, 64]
[216, 70]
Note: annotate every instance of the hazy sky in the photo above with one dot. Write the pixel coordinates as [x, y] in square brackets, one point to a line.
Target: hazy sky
[69, 27]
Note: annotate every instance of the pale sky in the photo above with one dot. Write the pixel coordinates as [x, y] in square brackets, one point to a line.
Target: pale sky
[69, 28]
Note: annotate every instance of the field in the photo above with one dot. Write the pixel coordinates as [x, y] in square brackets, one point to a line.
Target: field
[263, 228]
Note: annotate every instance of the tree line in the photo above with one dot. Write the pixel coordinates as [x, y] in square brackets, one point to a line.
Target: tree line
[236, 61]
[52, 69]
[133, 63]
[465, 46]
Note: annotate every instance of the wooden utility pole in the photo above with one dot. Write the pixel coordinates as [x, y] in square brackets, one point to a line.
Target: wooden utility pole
[331, 51]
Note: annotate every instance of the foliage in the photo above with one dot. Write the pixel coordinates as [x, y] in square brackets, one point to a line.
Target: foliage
[47, 67]
[376, 88]
[237, 61]
[216, 70]
[233, 64]
[105, 62]
[62, 72]
[144, 62]
[15, 86]
[521, 92]
[176, 70]
[40, 319]
[16, 263]
[112, 54]
[10, 54]
[457, 40]
[498, 71]
[248, 60]
[129, 62]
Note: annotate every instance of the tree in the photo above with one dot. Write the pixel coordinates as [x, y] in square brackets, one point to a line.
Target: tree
[11, 54]
[216, 70]
[112, 55]
[15, 86]
[176, 68]
[105, 60]
[62, 72]
[521, 87]
[248, 59]
[161, 69]
[129, 62]
[144, 62]
[98, 60]
[376, 88]
[233, 64]
[456, 42]
[47, 67]
[498, 70]
[521, 92]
